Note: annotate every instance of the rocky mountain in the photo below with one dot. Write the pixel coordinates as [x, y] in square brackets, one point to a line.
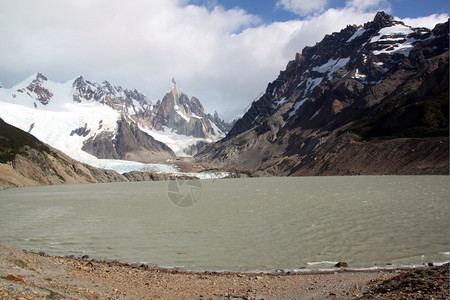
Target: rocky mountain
[186, 116]
[89, 120]
[369, 99]
[26, 161]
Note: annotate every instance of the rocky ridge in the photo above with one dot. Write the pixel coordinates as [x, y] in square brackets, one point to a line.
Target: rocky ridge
[120, 123]
[381, 88]
[26, 161]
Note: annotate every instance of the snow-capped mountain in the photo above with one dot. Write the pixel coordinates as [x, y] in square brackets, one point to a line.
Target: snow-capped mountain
[383, 80]
[89, 120]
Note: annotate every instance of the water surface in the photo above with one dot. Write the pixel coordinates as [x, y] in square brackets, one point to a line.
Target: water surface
[238, 224]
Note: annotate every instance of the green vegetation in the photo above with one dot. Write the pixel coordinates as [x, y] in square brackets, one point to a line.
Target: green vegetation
[428, 118]
[13, 141]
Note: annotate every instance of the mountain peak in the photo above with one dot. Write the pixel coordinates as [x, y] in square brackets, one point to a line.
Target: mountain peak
[383, 19]
[40, 77]
[174, 84]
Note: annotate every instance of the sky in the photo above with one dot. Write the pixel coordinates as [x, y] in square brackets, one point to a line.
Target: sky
[224, 52]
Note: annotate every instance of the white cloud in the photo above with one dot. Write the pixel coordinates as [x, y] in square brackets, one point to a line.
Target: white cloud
[303, 7]
[427, 22]
[364, 5]
[223, 57]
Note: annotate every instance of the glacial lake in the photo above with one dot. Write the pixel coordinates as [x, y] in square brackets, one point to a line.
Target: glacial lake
[249, 224]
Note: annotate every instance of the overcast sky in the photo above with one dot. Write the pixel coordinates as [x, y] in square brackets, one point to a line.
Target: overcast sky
[224, 52]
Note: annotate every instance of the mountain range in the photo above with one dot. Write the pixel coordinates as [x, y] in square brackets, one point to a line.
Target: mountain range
[89, 120]
[369, 99]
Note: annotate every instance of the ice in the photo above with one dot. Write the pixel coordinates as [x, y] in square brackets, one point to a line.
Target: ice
[177, 142]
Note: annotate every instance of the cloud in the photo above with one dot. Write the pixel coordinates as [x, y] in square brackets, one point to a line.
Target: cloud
[302, 7]
[365, 5]
[427, 22]
[223, 57]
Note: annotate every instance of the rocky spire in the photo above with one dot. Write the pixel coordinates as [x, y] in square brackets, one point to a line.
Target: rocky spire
[382, 20]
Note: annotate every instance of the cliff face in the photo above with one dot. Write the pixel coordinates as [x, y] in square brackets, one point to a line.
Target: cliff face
[129, 143]
[187, 116]
[369, 99]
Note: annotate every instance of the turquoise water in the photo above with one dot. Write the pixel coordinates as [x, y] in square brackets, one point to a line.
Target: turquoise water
[238, 224]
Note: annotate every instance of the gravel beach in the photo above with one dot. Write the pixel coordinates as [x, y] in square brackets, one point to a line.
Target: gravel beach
[26, 275]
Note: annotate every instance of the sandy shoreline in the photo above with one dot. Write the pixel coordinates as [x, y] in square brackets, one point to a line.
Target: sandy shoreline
[33, 276]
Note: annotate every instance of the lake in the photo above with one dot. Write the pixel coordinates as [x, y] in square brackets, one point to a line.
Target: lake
[253, 224]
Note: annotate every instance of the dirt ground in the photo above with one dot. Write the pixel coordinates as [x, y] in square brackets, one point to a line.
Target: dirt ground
[25, 275]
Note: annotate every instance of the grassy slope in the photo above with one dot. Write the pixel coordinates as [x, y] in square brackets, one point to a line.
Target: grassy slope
[13, 141]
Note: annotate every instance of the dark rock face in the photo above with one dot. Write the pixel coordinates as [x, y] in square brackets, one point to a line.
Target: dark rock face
[384, 82]
[186, 116]
[37, 89]
[128, 143]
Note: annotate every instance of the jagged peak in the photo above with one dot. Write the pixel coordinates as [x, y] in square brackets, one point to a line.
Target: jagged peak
[383, 18]
[41, 77]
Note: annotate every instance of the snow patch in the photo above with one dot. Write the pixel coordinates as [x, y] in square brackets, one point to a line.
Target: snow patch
[315, 114]
[358, 33]
[296, 107]
[280, 101]
[359, 75]
[186, 118]
[311, 84]
[403, 48]
[386, 33]
[217, 132]
[331, 66]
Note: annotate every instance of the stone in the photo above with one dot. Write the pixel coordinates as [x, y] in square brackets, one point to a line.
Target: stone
[13, 277]
[341, 264]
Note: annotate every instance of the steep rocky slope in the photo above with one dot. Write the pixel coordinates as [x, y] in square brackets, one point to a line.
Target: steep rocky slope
[369, 99]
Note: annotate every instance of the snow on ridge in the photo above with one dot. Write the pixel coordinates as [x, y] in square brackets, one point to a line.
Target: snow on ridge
[296, 107]
[358, 33]
[280, 101]
[217, 130]
[311, 84]
[396, 30]
[401, 48]
[331, 66]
